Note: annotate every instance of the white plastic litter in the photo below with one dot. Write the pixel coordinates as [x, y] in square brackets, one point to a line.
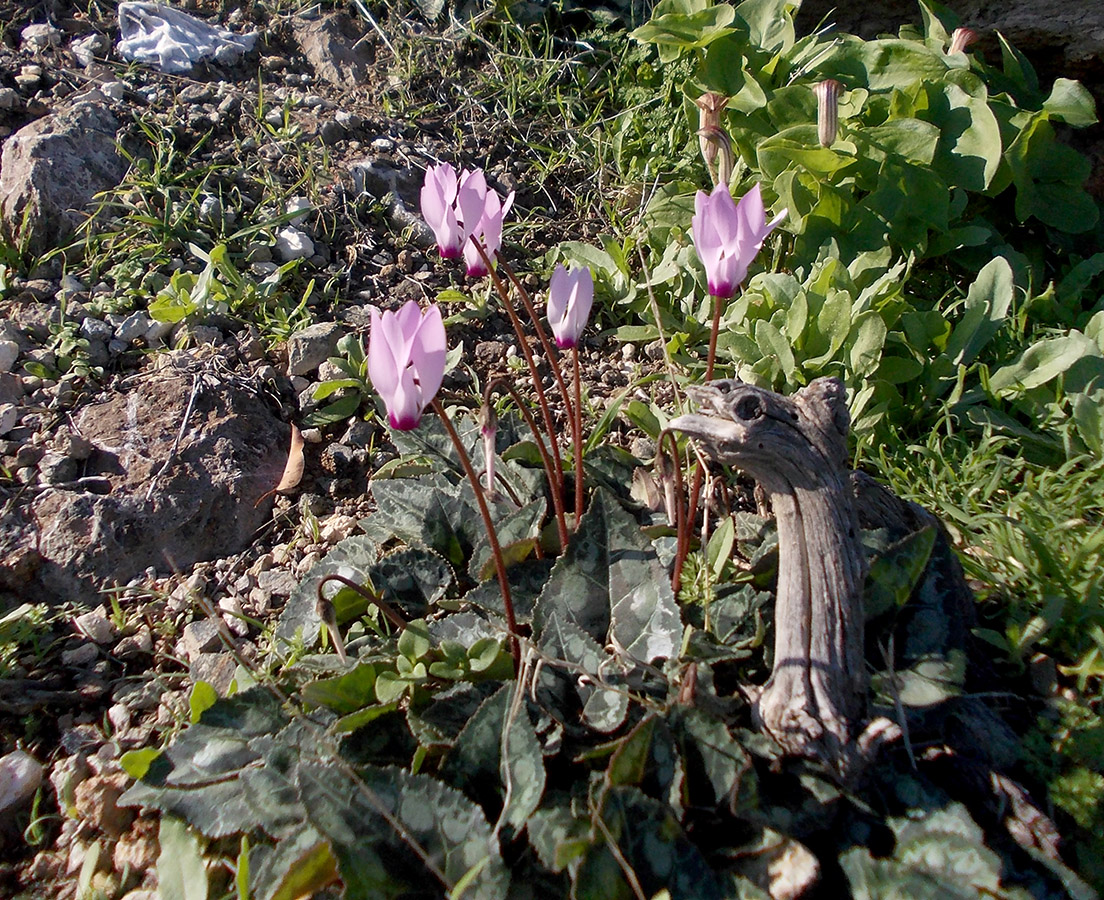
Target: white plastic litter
[174, 41]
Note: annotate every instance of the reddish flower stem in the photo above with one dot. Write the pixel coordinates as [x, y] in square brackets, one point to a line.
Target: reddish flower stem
[682, 530]
[574, 416]
[492, 536]
[577, 434]
[683, 547]
[519, 330]
[549, 471]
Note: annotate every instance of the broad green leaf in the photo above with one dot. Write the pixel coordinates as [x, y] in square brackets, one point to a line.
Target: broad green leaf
[969, 148]
[881, 65]
[987, 304]
[679, 31]
[895, 572]
[600, 698]
[512, 768]
[710, 750]
[719, 549]
[939, 854]
[774, 346]
[797, 146]
[201, 698]
[1041, 363]
[137, 762]
[628, 763]
[928, 682]
[770, 23]
[911, 139]
[181, 873]
[373, 823]
[299, 866]
[866, 350]
[412, 579]
[557, 835]
[345, 693]
[1070, 102]
[653, 844]
[610, 584]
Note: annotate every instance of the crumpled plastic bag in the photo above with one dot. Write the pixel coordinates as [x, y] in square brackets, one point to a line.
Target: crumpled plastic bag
[174, 41]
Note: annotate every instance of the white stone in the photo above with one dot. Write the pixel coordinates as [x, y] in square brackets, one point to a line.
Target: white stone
[40, 37]
[132, 327]
[20, 776]
[95, 626]
[9, 417]
[113, 90]
[9, 353]
[291, 243]
[300, 205]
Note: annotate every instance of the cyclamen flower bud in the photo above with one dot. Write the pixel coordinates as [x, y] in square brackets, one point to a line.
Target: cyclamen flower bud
[712, 137]
[827, 92]
[961, 38]
[488, 429]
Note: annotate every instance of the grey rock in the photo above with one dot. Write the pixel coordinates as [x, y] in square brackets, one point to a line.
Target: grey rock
[86, 49]
[10, 99]
[330, 131]
[217, 669]
[9, 417]
[81, 655]
[96, 329]
[40, 36]
[335, 49]
[73, 445]
[11, 388]
[139, 695]
[360, 434]
[55, 468]
[20, 776]
[95, 626]
[277, 581]
[205, 334]
[132, 327]
[198, 637]
[141, 642]
[9, 353]
[308, 348]
[50, 170]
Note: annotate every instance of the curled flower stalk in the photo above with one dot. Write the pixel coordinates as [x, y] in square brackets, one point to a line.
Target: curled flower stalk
[492, 534]
[502, 384]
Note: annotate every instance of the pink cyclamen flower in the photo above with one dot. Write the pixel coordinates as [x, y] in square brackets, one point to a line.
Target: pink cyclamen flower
[451, 206]
[570, 296]
[487, 231]
[406, 360]
[728, 236]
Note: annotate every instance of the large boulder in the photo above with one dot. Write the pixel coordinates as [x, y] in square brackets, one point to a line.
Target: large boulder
[146, 499]
[52, 168]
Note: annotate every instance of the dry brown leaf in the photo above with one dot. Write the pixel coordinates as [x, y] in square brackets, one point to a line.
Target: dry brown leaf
[293, 471]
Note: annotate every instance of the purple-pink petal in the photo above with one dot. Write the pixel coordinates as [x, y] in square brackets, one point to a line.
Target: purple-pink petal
[406, 360]
[728, 236]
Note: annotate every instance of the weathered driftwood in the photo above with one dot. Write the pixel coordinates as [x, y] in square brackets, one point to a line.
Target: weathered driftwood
[814, 704]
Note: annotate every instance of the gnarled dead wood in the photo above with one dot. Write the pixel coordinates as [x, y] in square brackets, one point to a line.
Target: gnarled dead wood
[814, 704]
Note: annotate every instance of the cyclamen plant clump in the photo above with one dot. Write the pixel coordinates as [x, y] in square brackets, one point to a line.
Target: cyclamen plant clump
[594, 724]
